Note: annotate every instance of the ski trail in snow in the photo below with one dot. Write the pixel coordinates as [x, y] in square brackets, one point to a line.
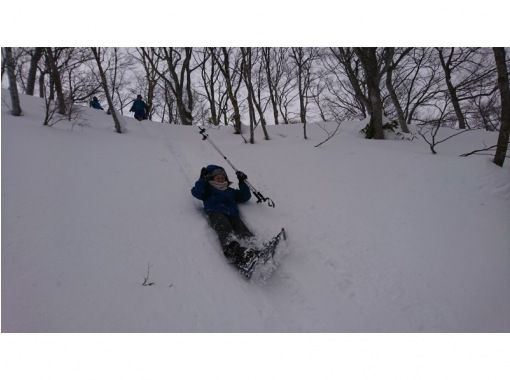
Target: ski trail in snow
[183, 166]
[289, 287]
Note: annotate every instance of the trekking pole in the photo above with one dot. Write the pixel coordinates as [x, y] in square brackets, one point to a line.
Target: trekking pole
[260, 198]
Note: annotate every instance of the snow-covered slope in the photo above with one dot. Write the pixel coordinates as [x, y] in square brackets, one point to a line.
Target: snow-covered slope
[383, 235]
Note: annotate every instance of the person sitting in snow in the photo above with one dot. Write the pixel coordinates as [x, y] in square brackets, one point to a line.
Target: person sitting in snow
[220, 205]
[139, 108]
[94, 103]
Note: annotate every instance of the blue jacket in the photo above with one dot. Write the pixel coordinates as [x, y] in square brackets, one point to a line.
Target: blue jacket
[138, 107]
[95, 104]
[215, 200]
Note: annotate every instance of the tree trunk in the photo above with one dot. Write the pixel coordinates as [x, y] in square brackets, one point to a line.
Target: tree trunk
[178, 86]
[225, 70]
[13, 86]
[389, 85]
[41, 83]
[368, 60]
[451, 88]
[266, 53]
[212, 101]
[504, 131]
[253, 104]
[55, 75]
[97, 52]
[32, 72]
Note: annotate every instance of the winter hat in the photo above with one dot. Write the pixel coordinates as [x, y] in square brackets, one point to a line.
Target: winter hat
[218, 171]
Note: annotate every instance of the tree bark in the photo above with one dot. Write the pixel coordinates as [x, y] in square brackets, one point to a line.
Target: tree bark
[390, 52]
[55, 75]
[368, 59]
[451, 88]
[209, 81]
[180, 82]
[225, 70]
[13, 85]
[298, 56]
[266, 53]
[177, 86]
[253, 104]
[97, 56]
[246, 73]
[504, 131]
[32, 72]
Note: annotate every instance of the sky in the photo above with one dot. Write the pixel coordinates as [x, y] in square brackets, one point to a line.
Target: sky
[264, 22]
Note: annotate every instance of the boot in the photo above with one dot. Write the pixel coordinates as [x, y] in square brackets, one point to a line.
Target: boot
[241, 257]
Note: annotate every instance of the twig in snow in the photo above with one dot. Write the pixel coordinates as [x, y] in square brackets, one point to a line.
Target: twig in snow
[330, 134]
[478, 150]
[146, 281]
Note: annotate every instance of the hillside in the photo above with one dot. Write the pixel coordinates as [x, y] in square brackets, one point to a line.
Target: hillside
[383, 235]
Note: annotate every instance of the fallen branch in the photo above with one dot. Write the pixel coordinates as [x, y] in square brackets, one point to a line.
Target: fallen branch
[330, 134]
[478, 150]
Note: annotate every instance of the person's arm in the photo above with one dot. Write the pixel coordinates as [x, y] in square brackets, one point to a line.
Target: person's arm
[199, 191]
[243, 194]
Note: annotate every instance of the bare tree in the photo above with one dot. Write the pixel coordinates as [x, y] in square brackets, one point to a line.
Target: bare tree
[13, 85]
[391, 64]
[36, 56]
[145, 57]
[210, 74]
[253, 103]
[303, 59]
[179, 81]
[352, 69]
[52, 56]
[339, 96]
[3, 63]
[504, 131]
[78, 78]
[232, 74]
[284, 88]
[371, 67]
[96, 51]
[270, 58]
[418, 79]
[448, 63]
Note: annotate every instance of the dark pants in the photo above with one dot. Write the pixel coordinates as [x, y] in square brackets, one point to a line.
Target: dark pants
[140, 116]
[229, 229]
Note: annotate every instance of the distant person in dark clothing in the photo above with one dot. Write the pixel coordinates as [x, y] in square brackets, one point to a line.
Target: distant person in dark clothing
[139, 108]
[94, 103]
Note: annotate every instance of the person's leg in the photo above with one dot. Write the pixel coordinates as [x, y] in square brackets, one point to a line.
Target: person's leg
[240, 228]
[231, 248]
[221, 224]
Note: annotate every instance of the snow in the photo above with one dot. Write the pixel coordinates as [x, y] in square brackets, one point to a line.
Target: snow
[383, 236]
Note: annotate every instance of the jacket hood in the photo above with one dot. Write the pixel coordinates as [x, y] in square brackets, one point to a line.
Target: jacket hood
[211, 168]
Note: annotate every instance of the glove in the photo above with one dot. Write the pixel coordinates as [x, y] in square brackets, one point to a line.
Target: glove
[203, 173]
[241, 176]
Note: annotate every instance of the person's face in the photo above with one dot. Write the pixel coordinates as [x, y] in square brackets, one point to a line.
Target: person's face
[219, 178]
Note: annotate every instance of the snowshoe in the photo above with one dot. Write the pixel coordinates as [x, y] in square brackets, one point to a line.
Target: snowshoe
[262, 257]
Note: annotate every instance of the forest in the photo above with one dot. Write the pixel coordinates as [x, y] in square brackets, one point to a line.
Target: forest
[463, 88]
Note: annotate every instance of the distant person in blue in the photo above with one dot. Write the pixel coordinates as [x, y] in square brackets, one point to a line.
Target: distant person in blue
[220, 205]
[139, 108]
[94, 103]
